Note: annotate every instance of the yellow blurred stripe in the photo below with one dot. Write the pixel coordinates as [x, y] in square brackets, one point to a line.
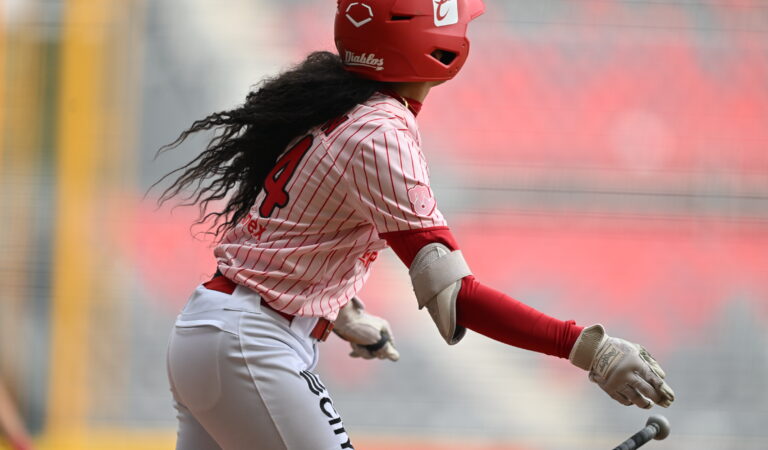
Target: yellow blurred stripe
[22, 80]
[81, 139]
[117, 439]
[22, 57]
[3, 39]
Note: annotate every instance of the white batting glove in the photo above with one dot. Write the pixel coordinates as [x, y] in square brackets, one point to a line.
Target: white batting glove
[370, 336]
[626, 371]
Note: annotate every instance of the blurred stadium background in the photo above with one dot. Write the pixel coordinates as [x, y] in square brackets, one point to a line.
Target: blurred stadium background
[602, 160]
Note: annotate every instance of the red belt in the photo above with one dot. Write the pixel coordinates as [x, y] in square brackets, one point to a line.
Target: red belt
[223, 284]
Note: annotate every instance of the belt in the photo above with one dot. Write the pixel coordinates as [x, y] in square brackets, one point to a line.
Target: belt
[223, 284]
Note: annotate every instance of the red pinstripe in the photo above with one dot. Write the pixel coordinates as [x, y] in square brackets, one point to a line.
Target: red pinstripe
[392, 181]
[312, 198]
[270, 301]
[425, 175]
[367, 178]
[360, 193]
[404, 184]
[302, 167]
[285, 233]
[312, 277]
[323, 287]
[381, 189]
[307, 260]
[413, 174]
[310, 250]
[343, 276]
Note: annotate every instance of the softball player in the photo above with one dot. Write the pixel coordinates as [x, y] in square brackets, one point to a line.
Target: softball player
[321, 169]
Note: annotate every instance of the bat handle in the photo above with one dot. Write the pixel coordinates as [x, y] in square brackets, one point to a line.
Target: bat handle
[639, 438]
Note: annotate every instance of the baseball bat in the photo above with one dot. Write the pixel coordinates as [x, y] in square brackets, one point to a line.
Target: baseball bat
[657, 427]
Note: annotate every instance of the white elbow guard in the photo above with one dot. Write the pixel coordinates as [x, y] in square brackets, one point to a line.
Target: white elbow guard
[436, 274]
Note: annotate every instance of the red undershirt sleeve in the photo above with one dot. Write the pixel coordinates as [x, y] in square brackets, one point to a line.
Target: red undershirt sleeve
[488, 311]
[500, 317]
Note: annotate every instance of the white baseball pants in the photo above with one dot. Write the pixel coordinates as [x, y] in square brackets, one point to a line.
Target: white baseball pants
[241, 378]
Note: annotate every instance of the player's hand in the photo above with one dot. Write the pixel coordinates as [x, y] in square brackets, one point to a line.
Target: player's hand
[370, 336]
[624, 370]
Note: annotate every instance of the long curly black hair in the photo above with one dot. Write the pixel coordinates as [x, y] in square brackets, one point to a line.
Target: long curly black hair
[249, 139]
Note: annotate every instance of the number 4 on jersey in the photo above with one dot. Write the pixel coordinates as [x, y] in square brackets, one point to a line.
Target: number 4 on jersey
[280, 175]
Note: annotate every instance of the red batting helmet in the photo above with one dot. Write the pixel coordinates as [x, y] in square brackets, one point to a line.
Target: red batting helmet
[405, 40]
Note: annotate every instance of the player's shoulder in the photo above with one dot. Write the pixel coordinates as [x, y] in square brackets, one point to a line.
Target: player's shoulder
[384, 106]
[378, 116]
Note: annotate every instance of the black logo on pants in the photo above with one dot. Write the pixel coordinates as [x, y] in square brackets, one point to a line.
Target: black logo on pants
[326, 406]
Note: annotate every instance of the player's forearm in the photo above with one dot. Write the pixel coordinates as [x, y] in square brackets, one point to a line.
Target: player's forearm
[502, 318]
[488, 311]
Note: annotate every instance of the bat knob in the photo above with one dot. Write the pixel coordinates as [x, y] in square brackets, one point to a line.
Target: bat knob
[662, 424]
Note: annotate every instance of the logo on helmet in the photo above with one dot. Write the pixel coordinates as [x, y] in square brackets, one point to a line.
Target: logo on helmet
[360, 12]
[364, 60]
[446, 12]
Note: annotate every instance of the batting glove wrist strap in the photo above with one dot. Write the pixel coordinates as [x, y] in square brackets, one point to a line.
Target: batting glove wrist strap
[585, 348]
[370, 336]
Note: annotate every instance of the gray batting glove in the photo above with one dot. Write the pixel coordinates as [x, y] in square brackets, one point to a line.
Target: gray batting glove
[626, 371]
[370, 336]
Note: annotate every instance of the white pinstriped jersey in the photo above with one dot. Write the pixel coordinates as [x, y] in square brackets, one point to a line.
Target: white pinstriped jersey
[308, 242]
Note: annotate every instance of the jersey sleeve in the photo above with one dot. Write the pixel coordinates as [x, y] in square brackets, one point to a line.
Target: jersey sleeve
[389, 180]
